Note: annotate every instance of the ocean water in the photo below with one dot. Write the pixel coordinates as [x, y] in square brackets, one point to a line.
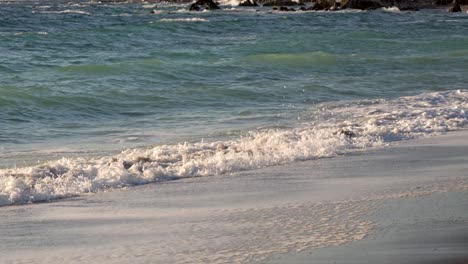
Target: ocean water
[103, 96]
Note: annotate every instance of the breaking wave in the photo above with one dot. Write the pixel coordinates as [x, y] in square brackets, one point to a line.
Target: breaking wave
[331, 129]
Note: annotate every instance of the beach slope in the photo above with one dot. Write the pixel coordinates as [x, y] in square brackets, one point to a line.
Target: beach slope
[399, 204]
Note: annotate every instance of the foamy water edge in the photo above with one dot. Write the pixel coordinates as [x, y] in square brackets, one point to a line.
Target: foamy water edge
[335, 129]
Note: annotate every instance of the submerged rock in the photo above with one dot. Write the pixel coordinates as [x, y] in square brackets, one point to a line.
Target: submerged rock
[201, 5]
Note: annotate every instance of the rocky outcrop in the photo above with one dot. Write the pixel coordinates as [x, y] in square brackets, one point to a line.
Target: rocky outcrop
[201, 5]
[371, 4]
[281, 3]
[363, 4]
[449, 2]
[248, 3]
[455, 8]
[323, 4]
[330, 5]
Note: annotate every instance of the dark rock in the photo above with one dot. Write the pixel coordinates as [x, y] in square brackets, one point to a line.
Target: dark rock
[127, 164]
[443, 2]
[323, 5]
[449, 2]
[248, 3]
[194, 7]
[347, 133]
[335, 7]
[200, 5]
[285, 9]
[409, 9]
[409, 5]
[375, 4]
[455, 8]
[280, 3]
[142, 159]
[153, 11]
[363, 4]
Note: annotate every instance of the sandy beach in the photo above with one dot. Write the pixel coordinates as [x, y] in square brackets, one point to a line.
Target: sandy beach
[148, 133]
[399, 204]
[426, 229]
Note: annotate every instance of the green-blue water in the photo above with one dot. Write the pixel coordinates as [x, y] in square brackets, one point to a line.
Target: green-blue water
[104, 77]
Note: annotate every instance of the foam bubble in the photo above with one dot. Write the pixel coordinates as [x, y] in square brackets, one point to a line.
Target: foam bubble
[332, 129]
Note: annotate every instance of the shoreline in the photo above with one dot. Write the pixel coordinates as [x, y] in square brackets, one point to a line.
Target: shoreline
[254, 216]
[150, 134]
[321, 5]
[423, 228]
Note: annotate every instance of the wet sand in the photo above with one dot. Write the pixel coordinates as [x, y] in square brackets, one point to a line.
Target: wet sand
[399, 204]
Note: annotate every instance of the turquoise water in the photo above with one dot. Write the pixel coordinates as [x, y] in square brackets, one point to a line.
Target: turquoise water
[109, 74]
[89, 80]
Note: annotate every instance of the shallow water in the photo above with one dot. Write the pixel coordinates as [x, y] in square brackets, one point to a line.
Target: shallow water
[85, 81]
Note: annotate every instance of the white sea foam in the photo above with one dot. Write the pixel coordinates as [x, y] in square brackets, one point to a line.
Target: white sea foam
[229, 2]
[38, 33]
[392, 9]
[332, 129]
[194, 19]
[182, 10]
[242, 10]
[346, 10]
[68, 11]
[151, 6]
[123, 15]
